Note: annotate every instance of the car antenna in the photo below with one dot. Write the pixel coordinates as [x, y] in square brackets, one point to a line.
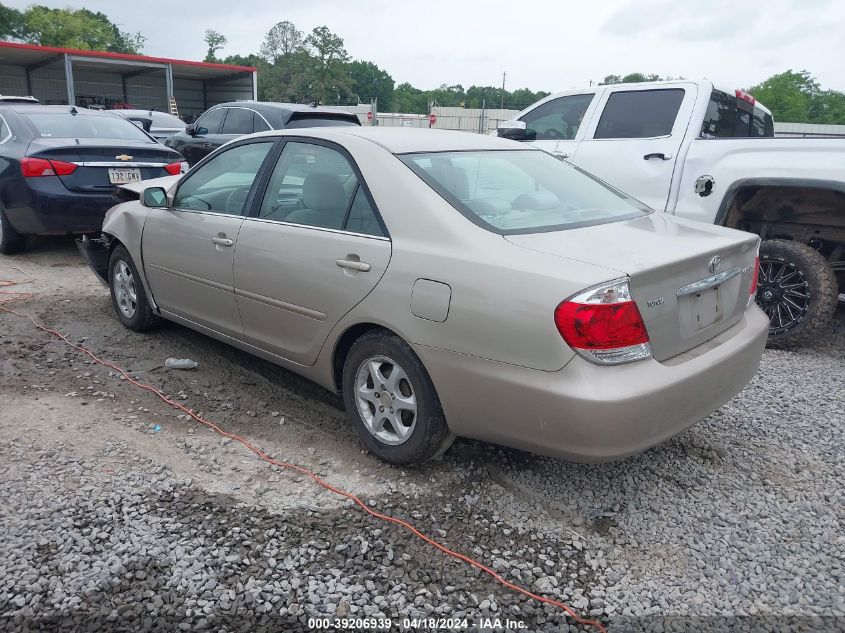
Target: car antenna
[313, 104]
[73, 110]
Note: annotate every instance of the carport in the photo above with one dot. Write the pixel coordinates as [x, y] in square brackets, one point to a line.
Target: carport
[107, 80]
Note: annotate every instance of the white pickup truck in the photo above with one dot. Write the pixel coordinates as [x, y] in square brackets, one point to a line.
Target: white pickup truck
[699, 151]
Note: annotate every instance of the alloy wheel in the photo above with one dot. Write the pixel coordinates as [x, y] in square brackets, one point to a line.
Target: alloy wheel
[385, 399]
[123, 283]
[783, 294]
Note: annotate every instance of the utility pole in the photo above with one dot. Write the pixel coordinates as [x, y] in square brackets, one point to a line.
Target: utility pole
[504, 74]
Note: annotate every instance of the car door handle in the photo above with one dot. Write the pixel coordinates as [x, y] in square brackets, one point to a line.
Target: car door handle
[561, 155]
[352, 264]
[659, 155]
[206, 144]
[222, 241]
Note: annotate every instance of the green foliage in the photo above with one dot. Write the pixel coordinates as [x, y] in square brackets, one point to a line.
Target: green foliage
[631, 78]
[214, 41]
[368, 81]
[10, 22]
[281, 40]
[70, 28]
[796, 97]
[409, 100]
[330, 81]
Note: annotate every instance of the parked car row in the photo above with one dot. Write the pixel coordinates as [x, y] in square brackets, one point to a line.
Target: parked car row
[59, 165]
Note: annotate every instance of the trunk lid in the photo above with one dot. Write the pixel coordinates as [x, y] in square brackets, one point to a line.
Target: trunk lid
[684, 297]
[95, 157]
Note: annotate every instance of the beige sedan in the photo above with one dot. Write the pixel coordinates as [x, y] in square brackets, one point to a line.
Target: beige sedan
[446, 284]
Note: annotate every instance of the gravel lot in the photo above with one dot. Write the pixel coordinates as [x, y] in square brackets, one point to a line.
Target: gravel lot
[119, 514]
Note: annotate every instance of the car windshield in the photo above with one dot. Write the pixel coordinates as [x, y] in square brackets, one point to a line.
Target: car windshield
[67, 125]
[521, 191]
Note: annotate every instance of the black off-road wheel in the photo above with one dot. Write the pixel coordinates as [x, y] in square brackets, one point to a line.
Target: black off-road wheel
[127, 293]
[797, 290]
[392, 402]
[10, 240]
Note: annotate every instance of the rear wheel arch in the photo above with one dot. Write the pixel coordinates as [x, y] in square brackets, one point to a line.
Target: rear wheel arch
[344, 344]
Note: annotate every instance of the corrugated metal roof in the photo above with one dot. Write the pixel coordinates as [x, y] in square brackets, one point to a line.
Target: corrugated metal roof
[54, 50]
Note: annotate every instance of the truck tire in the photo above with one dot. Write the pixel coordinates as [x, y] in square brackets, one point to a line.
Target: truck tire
[10, 240]
[797, 290]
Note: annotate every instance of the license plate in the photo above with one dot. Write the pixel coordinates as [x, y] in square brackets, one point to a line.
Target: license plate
[119, 176]
[706, 307]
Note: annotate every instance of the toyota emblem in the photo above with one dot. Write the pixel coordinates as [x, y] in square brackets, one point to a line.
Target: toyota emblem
[715, 263]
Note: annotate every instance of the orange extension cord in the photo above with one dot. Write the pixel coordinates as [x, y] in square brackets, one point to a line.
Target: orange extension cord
[11, 297]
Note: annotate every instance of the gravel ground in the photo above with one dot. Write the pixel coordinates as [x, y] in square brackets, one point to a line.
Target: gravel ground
[120, 514]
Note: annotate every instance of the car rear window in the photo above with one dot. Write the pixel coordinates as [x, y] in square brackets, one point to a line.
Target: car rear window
[310, 119]
[521, 191]
[67, 125]
[729, 117]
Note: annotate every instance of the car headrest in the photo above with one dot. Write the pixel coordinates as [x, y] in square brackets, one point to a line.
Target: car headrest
[323, 192]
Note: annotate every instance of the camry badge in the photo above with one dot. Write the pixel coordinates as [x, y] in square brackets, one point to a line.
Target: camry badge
[715, 263]
[124, 157]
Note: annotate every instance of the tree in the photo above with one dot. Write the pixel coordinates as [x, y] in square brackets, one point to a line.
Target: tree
[215, 41]
[409, 100]
[789, 95]
[10, 22]
[368, 81]
[72, 28]
[281, 40]
[630, 78]
[329, 57]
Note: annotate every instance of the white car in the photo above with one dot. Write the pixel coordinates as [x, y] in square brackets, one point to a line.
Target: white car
[706, 152]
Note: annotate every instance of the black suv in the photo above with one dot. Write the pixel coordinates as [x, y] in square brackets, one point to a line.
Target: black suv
[226, 121]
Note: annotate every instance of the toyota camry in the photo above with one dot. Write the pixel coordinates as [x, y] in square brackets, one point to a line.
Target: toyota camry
[446, 284]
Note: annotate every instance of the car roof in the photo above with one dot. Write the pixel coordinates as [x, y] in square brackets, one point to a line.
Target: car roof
[275, 106]
[403, 140]
[30, 108]
[279, 114]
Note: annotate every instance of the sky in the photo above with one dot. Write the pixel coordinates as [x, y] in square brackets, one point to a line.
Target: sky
[547, 45]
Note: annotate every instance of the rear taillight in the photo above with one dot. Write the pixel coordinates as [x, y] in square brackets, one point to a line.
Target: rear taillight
[37, 167]
[174, 169]
[604, 325]
[755, 277]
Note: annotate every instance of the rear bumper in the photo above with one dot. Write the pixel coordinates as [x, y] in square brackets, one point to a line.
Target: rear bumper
[592, 413]
[48, 208]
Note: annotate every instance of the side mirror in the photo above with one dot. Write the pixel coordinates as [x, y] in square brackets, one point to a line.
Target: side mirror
[155, 197]
[191, 130]
[513, 130]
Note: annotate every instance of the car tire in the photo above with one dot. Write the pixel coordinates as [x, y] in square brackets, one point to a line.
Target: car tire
[10, 240]
[797, 290]
[127, 293]
[409, 435]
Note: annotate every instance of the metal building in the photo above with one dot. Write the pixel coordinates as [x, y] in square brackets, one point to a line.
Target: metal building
[101, 79]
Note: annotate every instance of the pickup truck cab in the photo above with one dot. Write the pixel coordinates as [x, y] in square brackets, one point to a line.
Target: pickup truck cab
[708, 153]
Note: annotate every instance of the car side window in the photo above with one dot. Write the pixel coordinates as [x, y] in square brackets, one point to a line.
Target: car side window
[640, 113]
[209, 123]
[316, 186]
[558, 119]
[238, 121]
[258, 123]
[5, 133]
[223, 183]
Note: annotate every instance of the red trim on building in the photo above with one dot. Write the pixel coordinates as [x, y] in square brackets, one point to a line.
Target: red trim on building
[125, 56]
